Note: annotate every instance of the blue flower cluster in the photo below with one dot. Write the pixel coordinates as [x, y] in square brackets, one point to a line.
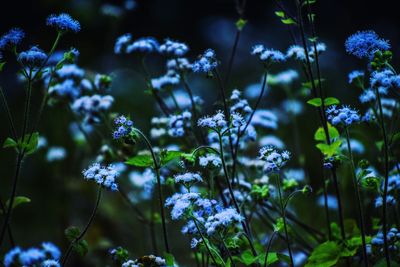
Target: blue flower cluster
[180, 204]
[206, 62]
[392, 236]
[298, 53]
[91, 107]
[11, 39]
[47, 256]
[210, 160]
[63, 23]
[188, 178]
[222, 220]
[239, 104]
[148, 260]
[178, 123]
[173, 48]
[355, 75]
[103, 175]
[364, 44]
[171, 78]
[267, 55]
[123, 127]
[217, 121]
[384, 80]
[32, 58]
[179, 64]
[274, 159]
[344, 115]
[124, 44]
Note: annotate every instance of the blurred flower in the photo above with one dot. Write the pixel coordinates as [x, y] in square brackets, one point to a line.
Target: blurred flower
[56, 153]
[63, 23]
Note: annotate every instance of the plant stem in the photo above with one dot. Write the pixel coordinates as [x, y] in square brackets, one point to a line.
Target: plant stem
[278, 182]
[357, 192]
[268, 248]
[9, 116]
[205, 241]
[82, 234]
[386, 183]
[157, 168]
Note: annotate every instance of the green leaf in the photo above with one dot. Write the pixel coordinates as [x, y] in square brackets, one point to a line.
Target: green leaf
[288, 21]
[316, 102]
[272, 258]
[169, 258]
[240, 24]
[330, 150]
[17, 201]
[325, 255]
[81, 247]
[279, 225]
[396, 137]
[9, 142]
[2, 65]
[140, 161]
[167, 156]
[72, 232]
[331, 101]
[280, 14]
[30, 143]
[320, 133]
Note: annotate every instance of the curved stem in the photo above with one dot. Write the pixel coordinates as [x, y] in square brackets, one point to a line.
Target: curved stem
[8, 112]
[357, 193]
[157, 168]
[82, 234]
[268, 248]
[205, 241]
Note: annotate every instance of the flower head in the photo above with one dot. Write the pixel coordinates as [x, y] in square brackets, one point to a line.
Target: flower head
[63, 23]
[217, 121]
[173, 48]
[178, 123]
[343, 115]
[268, 55]
[91, 107]
[364, 44]
[32, 58]
[12, 38]
[188, 178]
[123, 127]
[103, 175]
[274, 159]
[144, 45]
[355, 74]
[206, 62]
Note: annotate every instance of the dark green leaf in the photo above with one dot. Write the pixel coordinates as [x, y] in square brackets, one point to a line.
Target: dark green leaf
[30, 143]
[9, 142]
[316, 102]
[331, 101]
[81, 247]
[240, 24]
[140, 161]
[168, 156]
[169, 258]
[2, 65]
[325, 255]
[17, 201]
[72, 232]
[288, 21]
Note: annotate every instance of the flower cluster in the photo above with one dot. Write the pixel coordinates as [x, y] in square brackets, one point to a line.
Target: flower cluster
[47, 255]
[178, 123]
[173, 48]
[364, 44]
[124, 44]
[149, 260]
[11, 39]
[123, 127]
[180, 204]
[344, 115]
[268, 55]
[222, 220]
[32, 58]
[171, 78]
[274, 159]
[217, 121]
[91, 107]
[393, 235]
[239, 104]
[63, 23]
[384, 80]
[210, 160]
[355, 75]
[206, 62]
[298, 53]
[103, 175]
[188, 178]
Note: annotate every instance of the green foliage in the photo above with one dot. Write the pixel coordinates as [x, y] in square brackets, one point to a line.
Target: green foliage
[81, 247]
[285, 19]
[28, 145]
[330, 150]
[141, 161]
[169, 258]
[289, 184]
[2, 64]
[17, 201]
[279, 225]
[317, 102]
[260, 192]
[168, 156]
[325, 255]
[240, 23]
[72, 232]
[247, 258]
[320, 133]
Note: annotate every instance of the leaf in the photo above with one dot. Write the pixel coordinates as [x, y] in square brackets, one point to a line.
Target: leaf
[288, 21]
[2, 65]
[169, 258]
[30, 143]
[72, 232]
[247, 257]
[17, 201]
[325, 255]
[280, 14]
[140, 161]
[167, 156]
[272, 258]
[329, 150]
[320, 133]
[240, 24]
[9, 142]
[316, 102]
[331, 101]
[279, 225]
[81, 247]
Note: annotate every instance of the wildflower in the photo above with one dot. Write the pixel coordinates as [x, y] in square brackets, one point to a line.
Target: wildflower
[296, 52]
[355, 75]
[274, 159]
[383, 80]
[171, 78]
[63, 23]
[51, 250]
[210, 160]
[344, 115]
[11, 256]
[70, 71]
[173, 48]
[144, 181]
[271, 140]
[179, 64]
[91, 107]
[206, 63]
[292, 106]
[144, 45]
[102, 82]
[50, 263]
[31, 256]
[239, 104]
[265, 119]
[123, 127]
[65, 90]
[122, 43]
[268, 55]
[103, 175]
[283, 78]
[367, 96]
[390, 200]
[11, 39]
[217, 121]
[34, 57]
[356, 146]
[180, 204]
[364, 44]
[222, 220]
[188, 178]
[178, 123]
[56, 154]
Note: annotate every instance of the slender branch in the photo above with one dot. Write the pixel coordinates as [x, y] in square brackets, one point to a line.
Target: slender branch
[268, 247]
[9, 116]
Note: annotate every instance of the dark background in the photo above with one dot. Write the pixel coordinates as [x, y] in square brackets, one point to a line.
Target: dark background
[59, 198]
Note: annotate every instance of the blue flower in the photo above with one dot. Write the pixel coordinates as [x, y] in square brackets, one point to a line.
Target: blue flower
[239, 104]
[63, 23]
[34, 57]
[144, 45]
[344, 115]
[355, 75]
[11, 256]
[91, 107]
[188, 178]
[222, 220]
[31, 256]
[122, 43]
[210, 160]
[51, 249]
[367, 96]
[66, 89]
[364, 44]
[217, 121]
[56, 153]
[206, 62]
[103, 175]
[178, 123]
[180, 204]
[173, 48]
[123, 127]
[50, 263]
[171, 78]
[274, 159]
[268, 55]
[12, 38]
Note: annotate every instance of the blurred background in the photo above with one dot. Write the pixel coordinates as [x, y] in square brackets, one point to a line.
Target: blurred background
[59, 195]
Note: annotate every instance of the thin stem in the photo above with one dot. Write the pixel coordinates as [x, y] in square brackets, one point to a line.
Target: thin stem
[82, 234]
[10, 235]
[359, 204]
[386, 183]
[205, 241]
[157, 168]
[268, 248]
[9, 116]
[278, 182]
